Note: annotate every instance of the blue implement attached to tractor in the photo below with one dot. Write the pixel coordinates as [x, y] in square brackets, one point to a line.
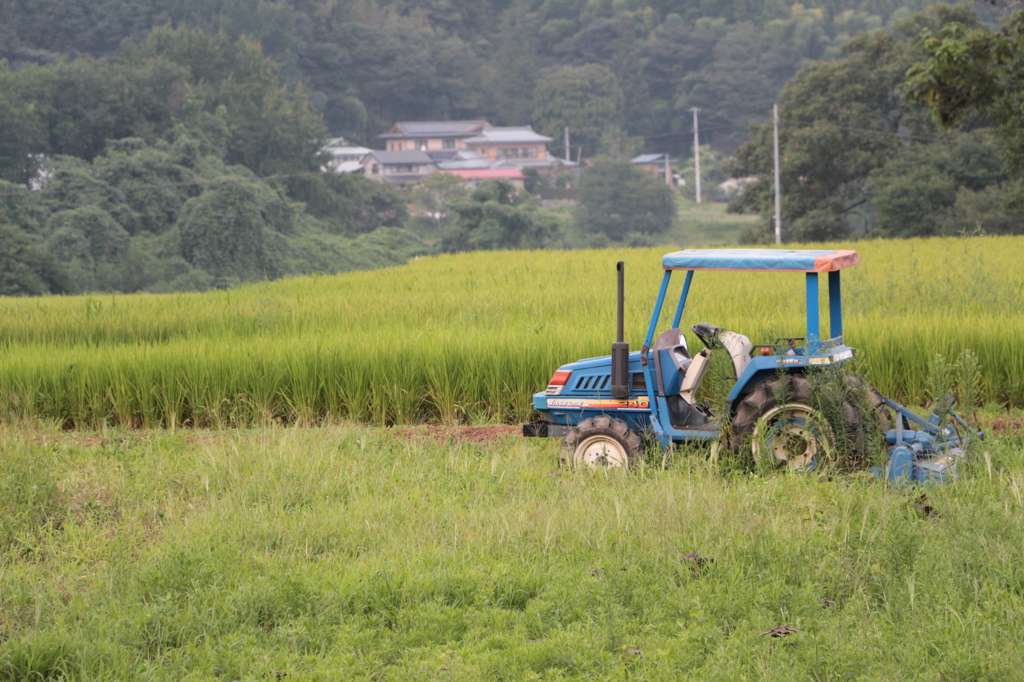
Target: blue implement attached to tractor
[605, 408]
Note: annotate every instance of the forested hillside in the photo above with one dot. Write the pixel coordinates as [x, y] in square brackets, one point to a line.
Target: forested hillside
[178, 163]
[914, 131]
[366, 63]
[150, 145]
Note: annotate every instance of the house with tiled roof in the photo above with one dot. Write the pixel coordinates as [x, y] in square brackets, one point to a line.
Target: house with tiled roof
[519, 146]
[345, 156]
[652, 163]
[461, 146]
[430, 136]
[398, 168]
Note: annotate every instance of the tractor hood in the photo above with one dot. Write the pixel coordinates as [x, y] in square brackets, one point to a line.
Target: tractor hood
[590, 378]
[600, 364]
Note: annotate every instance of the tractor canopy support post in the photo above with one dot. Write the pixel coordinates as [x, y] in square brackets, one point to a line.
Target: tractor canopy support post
[649, 366]
[813, 322]
[835, 305]
[682, 300]
[657, 310]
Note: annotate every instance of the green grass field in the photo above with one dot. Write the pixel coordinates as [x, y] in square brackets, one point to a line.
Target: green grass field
[347, 552]
[707, 224]
[470, 337]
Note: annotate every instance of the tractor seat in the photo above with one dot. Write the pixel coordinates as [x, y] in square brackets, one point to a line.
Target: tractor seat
[674, 342]
[671, 360]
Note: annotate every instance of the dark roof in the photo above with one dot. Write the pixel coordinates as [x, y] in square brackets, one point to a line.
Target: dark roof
[404, 129]
[651, 158]
[443, 155]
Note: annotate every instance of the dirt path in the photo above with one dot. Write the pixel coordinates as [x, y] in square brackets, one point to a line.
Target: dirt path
[442, 433]
[1004, 426]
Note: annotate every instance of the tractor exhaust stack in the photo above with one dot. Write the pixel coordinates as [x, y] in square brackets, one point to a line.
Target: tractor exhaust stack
[620, 349]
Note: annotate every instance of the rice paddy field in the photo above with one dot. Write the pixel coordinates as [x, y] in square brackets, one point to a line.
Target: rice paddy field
[468, 338]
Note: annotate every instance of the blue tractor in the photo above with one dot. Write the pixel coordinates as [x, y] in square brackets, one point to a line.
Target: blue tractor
[605, 408]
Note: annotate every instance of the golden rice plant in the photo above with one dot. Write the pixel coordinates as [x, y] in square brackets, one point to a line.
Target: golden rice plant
[470, 337]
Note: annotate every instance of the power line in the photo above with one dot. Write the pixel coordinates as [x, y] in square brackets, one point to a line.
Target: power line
[867, 131]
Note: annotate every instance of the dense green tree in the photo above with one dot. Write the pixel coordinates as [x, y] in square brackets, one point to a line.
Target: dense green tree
[167, 217]
[270, 128]
[79, 105]
[514, 68]
[153, 183]
[970, 73]
[21, 207]
[910, 197]
[349, 204]
[72, 184]
[739, 85]
[173, 79]
[494, 216]
[406, 71]
[229, 231]
[26, 269]
[618, 200]
[615, 43]
[468, 18]
[21, 133]
[984, 212]
[433, 196]
[914, 194]
[586, 98]
[91, 244]
[674, 52]
[842, 120]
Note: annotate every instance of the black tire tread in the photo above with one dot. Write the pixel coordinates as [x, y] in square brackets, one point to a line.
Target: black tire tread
[607, 426]
[797, 389]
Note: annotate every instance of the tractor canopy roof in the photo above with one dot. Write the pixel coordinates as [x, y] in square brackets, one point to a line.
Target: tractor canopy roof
[774, 260]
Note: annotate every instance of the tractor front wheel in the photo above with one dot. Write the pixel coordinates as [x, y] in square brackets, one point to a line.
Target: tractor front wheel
[602, 442]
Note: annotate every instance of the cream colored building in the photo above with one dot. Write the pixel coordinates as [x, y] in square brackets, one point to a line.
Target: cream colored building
[516, 145]
[432, 136]
[398, 168]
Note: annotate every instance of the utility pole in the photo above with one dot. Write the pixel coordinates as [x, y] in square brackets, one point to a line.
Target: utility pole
[567, 156]
[778, 184]
[696, 152]
[668, 171]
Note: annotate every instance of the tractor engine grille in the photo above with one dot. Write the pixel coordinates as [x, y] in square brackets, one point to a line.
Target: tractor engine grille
[595, 382]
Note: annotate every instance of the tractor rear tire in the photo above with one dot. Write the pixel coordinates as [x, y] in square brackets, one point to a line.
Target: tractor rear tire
[602, 441]
[777, 419]
[875, 401]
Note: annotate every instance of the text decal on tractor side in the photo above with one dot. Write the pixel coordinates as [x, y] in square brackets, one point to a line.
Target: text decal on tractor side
[604, 408]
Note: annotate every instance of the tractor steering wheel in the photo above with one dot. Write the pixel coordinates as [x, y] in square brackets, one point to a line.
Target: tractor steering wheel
[707, 333]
